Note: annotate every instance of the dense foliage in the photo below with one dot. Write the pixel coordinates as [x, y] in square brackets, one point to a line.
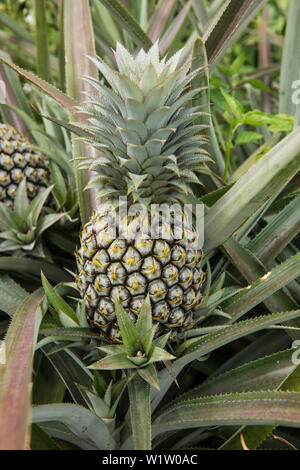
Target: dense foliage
[232, 380]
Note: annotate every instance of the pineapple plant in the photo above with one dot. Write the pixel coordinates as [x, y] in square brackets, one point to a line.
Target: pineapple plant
[19, 161]
[231, 378]
[151, 150]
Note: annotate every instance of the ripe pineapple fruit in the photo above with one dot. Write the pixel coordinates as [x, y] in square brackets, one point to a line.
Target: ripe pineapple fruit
[151, 150]
[19, 161]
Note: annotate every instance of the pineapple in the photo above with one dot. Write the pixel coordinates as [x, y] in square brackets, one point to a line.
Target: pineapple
[151, 150]
[19, 161]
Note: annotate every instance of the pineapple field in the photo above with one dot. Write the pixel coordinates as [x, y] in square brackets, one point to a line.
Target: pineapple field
[149, 226]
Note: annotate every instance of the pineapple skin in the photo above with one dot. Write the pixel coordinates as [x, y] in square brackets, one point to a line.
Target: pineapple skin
[19, 161]
[111, 267]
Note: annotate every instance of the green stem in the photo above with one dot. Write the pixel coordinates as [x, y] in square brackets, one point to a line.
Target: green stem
[140, 412]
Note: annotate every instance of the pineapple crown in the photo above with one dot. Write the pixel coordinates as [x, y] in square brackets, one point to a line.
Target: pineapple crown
[146, 127]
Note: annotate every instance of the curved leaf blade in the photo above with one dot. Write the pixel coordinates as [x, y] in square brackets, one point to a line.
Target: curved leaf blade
[16, 373]
[81, 421]
[264, 408]
[126, 20]
[263, 180]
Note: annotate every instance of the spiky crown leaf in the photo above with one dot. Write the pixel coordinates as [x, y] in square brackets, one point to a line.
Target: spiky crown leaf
[144, 126]
[22, 228]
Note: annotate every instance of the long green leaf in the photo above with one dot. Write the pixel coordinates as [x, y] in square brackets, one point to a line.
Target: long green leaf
[41, 40]
[174, 27]
[16, 373]
[290, 62]
[199, 59]
[10, 264]
[14, 95]
[128, 330]
[262, 181]
[266, 373]
[252, 269]
[278, 233]
[75, 332]
[40, 440]
[159, 19]
[57, 301]
[232, 18]
[71, 370]
[126, 20]
[11, 294]
[58, 95]
[197, 348]
[262, 288]
[47, 385]
[78, 65]
[264, 408]
[82, 422]
[16, 27]
[255, 435]
[32, 126]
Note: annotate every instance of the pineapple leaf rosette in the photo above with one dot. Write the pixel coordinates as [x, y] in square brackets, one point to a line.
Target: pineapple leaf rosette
[151, 149]
[139, 351]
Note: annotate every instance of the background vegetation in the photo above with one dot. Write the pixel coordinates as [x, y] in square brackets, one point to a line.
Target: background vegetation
[233, 384]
